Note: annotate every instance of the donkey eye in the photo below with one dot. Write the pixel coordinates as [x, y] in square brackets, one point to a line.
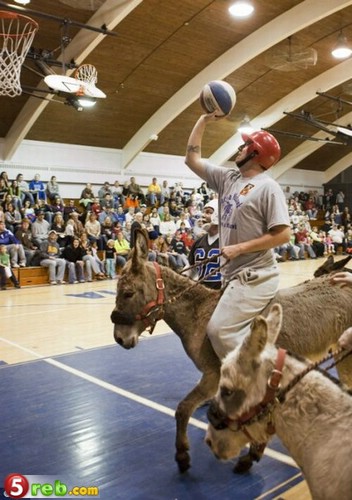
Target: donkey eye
[128, 295]
[225, 392]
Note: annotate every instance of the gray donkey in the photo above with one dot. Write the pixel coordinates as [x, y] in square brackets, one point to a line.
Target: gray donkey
[312, 417]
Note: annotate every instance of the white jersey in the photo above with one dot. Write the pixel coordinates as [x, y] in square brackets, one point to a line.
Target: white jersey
[248, 209]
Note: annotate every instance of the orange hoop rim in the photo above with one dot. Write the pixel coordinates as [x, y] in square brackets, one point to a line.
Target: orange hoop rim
[6, 14]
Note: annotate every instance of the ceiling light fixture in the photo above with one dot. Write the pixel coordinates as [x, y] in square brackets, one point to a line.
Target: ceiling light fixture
[341, 50]
[23, 2]
[241, 8]
[245, 126]
[86, 102]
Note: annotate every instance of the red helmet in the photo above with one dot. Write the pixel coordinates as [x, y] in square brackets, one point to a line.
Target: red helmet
[264, 146]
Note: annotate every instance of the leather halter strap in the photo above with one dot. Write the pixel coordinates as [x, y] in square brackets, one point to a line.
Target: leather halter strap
[273, 385]
[154, 305]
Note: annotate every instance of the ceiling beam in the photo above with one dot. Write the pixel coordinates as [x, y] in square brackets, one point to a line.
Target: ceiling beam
[305, 149]
[305, 93]
[111, 13]
[299, 17]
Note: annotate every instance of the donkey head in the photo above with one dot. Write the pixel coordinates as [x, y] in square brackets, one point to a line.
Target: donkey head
[243, 382]
[135, 289]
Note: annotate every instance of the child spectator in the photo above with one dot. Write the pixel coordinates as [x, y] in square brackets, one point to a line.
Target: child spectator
[110, 259]
[5, 269]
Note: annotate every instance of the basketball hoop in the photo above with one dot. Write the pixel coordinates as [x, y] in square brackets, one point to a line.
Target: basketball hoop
[88, 75]
[16, 37]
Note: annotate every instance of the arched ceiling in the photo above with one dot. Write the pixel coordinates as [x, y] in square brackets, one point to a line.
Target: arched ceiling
[164, 52]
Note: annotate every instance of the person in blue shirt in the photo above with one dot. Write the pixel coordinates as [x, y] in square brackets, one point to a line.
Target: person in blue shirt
[13, 246]
[37, 188]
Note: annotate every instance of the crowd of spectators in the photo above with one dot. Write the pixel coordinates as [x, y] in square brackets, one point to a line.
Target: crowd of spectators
[93, 235]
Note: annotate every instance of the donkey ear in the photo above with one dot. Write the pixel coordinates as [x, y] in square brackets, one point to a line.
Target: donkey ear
[256, 340]
[274, 322]
[341, 263]
[140, 251]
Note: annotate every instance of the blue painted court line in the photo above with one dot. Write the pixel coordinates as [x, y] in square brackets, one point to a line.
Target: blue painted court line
[85, 295]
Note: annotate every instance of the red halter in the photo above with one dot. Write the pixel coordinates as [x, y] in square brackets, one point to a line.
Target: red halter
[146, 315]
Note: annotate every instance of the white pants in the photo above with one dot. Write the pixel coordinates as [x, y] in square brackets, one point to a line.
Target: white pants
[244, 298]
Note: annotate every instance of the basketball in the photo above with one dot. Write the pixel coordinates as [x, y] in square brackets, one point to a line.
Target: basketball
[218, 96]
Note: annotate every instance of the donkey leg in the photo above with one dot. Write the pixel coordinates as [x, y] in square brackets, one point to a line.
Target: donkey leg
[204, 390]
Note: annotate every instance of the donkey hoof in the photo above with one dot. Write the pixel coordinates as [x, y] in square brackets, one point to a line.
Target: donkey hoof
[243, 465]
[183, 462]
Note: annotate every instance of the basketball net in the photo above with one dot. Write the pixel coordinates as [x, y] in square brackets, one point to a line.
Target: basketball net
[16, 37]
[88, 74]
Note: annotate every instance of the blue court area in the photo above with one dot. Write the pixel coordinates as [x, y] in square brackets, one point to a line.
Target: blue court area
[62, 416]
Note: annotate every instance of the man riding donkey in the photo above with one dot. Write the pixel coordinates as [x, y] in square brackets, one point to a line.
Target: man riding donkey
[253, 219]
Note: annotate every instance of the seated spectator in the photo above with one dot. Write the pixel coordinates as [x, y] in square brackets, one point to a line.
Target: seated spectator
[13, 247]
[183, 220]
[117, 194]
[42, 206]
[4, 190]
[57, 206]
[126, 231]
[179, 262]
[179, 247]
[155, 220]
[165, 255]
[317, 242]
[121, 216]
[165, 191]
[134, 190]
[37, 188]
[25, 191]
[74, 226]
[69, 209]
[311, 209]
[122, 248]
[174, 210]
[91, 259]
[87, 197]
[52, 189]
[73, 254]
[167, 225]
[103, 191]
[16, 195]
[304, 242]
[154, 194]
[27, 211]
[24, 236]
[5, 269]
[107, 231]
[93, 230]
[40, 229]
[338, 238]
[107, 201]
[203, 190]
[59, 226]
[95, 208]
[13, 218]
[50, 258]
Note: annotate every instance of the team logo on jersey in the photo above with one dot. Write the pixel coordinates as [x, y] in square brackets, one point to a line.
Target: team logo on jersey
[244, 191]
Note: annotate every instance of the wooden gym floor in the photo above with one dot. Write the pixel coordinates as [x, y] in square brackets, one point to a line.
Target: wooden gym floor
[76, 405]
